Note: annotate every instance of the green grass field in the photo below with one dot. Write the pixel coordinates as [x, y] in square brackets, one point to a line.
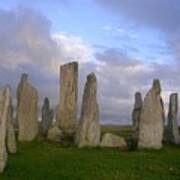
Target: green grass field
[40, 160]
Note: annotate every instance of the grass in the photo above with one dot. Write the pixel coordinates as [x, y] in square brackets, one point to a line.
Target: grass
[48, 161]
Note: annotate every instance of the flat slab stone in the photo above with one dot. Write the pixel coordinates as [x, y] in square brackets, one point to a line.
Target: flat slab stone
[11, 139]
[172, 130]
[47, 117]
[136, 114]
[67, 115]
[113, 141]
[27, 110]
[5, 99]
[54, 134]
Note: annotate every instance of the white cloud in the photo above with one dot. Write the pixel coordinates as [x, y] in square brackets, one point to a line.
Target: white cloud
[121, 76]
[26, 39]
[27, 45]
[107, 28]
[73, 48]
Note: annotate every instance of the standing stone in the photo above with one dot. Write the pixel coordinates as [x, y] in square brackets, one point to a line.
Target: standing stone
[27, 112]
[151, 124]
[4, 110]
[15, 124]
[56, 113]
[47, 117]
[11, 139]
[137, 113]
[163, 111]
[172, 131]
[89, 129]
[68, 97]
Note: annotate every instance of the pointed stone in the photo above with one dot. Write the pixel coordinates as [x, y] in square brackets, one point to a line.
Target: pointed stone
[137, 113]
[68, 97]
[47, 117]
[172, 131]
[88, 133]
[11, 139]
[151, 124]
[27, 110]
[4, 110]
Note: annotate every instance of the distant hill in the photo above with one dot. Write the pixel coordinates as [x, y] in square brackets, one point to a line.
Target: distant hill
[122, 130]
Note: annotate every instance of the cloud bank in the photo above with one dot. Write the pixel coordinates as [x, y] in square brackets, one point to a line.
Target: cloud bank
[27, 45]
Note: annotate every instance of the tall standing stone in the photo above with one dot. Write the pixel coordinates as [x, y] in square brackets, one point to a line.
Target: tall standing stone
[151, 125]
[47, 117]
[88, 133]
[137, 113]
[27, 112]
[172, 131]
[11, 139]
[4, 110]
[68, 97]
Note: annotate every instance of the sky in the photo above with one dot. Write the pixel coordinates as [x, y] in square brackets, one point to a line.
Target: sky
[125, 43]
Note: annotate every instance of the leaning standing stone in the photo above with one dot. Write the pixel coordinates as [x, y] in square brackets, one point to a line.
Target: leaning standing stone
[11, 139]
[4, 110]
[137, 113]
[151, 125]
[27, 112]
[89, 129]
[47, 117]
[172, 131]
[68, 97]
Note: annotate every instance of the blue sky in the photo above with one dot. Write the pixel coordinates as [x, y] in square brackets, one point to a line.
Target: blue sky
[126, 43]
[97, 26]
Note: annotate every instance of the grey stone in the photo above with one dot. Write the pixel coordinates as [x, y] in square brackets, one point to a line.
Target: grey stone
[4, 110]
[111, 140]
[57, 113]
[151, 124]
[136, 113]
[55, 134]
[88, 133]
[47, 117]
[11, 139]
[27, 110]
[68, 97]
[172, 130]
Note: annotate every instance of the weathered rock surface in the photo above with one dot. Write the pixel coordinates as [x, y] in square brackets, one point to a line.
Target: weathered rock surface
[151, 124]
[47, 117]
[5, 99]
[11, 139]
[56, 113]
[172, 130]
[111, 140]
[27, 110]
[68, 97]
[55, 134]
[88, 133]
[137, 113]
